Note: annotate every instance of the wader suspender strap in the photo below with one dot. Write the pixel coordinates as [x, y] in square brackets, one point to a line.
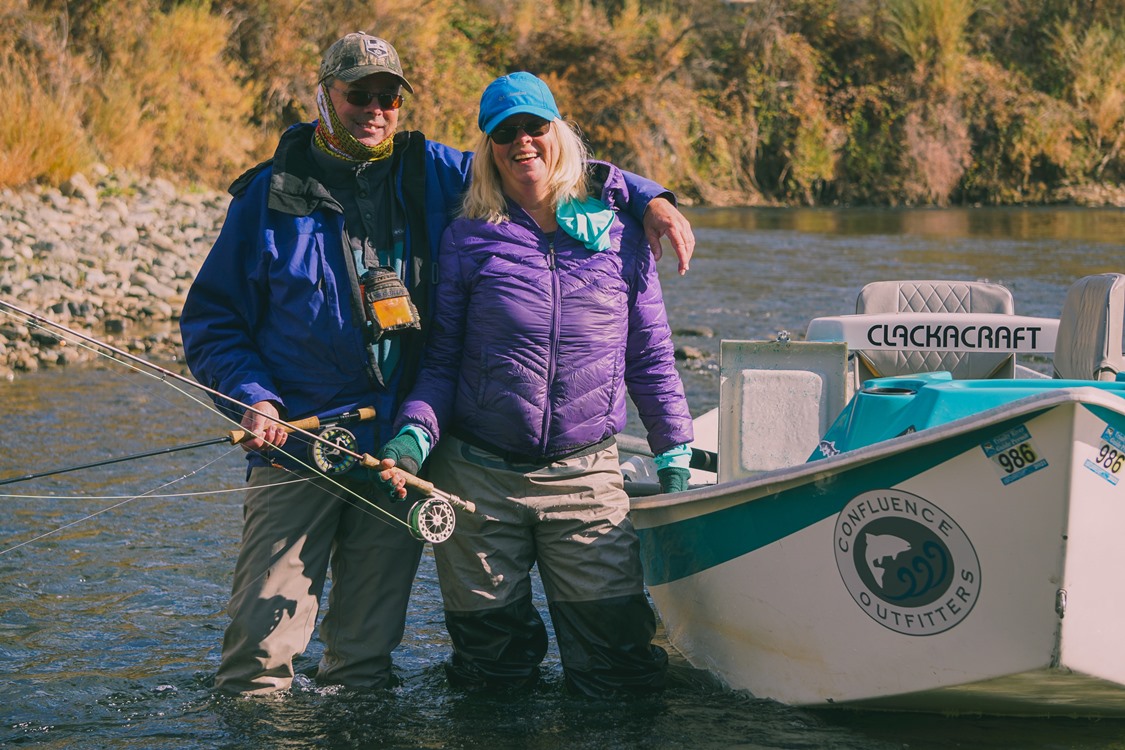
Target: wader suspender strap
[410, 176]
[359, 316]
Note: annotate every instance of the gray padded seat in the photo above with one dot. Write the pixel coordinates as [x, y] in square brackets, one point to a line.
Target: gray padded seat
[1088, 346]
[935, 296]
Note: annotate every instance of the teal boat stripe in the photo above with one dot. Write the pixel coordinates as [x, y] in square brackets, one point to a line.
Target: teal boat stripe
[677, 550]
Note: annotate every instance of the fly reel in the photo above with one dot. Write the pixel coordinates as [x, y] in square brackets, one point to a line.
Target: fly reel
[335, 452]
[432, 520]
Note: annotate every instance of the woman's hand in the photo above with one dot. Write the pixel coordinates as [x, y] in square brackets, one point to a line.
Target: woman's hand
[393, 479]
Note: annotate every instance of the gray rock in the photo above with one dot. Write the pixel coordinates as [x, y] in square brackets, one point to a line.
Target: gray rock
[690, 353]
[698, 331]
[79, 187]
[101, 258]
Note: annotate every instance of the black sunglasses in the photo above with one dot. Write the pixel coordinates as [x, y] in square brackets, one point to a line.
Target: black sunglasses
[502, 135]
[358, 98]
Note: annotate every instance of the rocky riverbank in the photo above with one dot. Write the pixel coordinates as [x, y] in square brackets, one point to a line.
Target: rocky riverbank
[108, 254]
[111, 255]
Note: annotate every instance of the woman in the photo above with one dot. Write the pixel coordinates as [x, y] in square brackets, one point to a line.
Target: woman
[548, 308]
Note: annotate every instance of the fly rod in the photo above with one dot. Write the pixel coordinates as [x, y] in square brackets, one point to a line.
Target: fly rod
[234, 437]
[434, 521]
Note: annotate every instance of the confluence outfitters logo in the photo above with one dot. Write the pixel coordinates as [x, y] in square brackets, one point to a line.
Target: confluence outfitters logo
[906, 563]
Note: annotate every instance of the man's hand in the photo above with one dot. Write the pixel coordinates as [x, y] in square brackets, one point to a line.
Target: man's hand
[267, 433]
[662, 219]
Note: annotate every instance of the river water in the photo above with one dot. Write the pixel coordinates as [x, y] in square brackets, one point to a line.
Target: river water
[113, 581]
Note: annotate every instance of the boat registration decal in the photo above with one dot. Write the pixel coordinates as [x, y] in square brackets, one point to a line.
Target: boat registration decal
[1014, 454]
[1110, 458]
[906, 562]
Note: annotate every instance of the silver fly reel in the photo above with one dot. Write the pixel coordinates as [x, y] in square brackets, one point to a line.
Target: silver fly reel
[432, 520]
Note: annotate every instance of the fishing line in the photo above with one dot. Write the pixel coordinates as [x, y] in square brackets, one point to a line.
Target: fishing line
[52, 328]
[80, 343]
[202, 493]
[432, 518]
[234, 437]
[106, 510]
[67, 526]
[40, 322]
[82, 340]
[117, 460]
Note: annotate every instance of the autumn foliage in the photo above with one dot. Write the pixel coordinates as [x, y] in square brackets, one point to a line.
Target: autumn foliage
[774, 101]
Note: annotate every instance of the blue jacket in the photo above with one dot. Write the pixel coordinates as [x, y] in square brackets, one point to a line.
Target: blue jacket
[536, 339]
[271, 315]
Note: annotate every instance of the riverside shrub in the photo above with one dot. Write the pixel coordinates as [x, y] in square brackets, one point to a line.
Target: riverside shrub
[794, 101]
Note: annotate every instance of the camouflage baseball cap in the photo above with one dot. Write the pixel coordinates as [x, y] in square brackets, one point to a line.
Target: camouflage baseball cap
[358, 55]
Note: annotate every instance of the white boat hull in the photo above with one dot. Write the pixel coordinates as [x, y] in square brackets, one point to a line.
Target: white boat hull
[1009, 599]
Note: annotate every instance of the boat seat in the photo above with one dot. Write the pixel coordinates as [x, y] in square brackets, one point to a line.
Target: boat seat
[1089, 342]
[935, 296]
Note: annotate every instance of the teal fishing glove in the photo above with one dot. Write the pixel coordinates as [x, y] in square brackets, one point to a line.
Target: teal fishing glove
[405, 451]
[672, 468]
[673, 479]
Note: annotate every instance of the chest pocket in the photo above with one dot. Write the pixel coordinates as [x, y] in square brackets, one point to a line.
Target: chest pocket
[312, 334]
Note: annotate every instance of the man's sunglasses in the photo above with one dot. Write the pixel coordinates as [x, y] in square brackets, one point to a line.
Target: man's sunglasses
[358, 98]
[502, 135]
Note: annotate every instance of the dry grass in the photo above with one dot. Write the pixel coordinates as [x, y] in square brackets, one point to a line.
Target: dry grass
[932, 34]
[41, 134]
[937, 152]
[170, 99]
[1095, 59]
[796, 101]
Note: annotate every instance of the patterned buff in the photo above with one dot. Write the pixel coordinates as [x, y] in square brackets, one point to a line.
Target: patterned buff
[333, 138]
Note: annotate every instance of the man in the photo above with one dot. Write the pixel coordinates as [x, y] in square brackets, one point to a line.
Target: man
[315, 300]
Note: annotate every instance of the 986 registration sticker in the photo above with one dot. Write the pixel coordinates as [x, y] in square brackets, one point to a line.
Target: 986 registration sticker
[1109, 461]
[1014, 454]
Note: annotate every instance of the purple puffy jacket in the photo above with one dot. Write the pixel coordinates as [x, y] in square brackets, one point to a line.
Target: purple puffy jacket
[535, 339]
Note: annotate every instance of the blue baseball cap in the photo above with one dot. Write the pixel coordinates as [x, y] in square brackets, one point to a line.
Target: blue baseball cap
[513, 94]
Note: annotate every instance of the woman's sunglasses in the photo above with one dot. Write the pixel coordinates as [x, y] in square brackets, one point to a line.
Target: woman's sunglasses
[358, 98]
[502, 135]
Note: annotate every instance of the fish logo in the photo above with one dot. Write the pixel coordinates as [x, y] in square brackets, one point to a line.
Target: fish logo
[906, 562]
[882, 550]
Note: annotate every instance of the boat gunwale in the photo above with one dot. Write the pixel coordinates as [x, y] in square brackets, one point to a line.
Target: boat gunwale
[722, 495]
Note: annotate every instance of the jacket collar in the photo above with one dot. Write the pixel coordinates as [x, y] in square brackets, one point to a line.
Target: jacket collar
[295, 185]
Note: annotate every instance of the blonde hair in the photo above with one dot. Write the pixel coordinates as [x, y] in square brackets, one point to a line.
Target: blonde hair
[485, 197]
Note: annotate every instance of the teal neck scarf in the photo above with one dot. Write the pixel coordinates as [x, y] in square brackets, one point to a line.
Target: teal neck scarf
[587, 220]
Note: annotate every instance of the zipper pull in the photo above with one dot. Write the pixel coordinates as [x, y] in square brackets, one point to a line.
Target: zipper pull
[551, 253]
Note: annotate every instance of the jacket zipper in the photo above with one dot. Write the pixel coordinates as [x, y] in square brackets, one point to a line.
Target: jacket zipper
[552, 353]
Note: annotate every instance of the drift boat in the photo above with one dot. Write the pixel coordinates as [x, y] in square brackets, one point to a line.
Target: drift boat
[903, 517]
